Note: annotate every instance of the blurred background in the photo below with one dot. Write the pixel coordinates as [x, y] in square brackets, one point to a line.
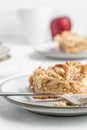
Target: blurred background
[10, 28]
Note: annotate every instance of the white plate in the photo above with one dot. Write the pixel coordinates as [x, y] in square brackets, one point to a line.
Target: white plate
[4, 50]
[52, 50]
[47, 108]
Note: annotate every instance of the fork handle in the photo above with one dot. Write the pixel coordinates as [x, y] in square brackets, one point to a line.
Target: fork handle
[25, 94]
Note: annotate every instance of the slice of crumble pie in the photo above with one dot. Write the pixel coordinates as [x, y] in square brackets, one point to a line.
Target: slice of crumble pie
[71, 42]
[59, 79]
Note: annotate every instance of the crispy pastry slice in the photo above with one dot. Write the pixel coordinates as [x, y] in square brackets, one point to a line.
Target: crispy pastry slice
[59, 79]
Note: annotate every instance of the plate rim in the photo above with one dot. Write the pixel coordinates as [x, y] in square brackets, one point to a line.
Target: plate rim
[22, 103]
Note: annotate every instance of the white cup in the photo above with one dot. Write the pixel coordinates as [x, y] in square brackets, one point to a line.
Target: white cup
[35, 24]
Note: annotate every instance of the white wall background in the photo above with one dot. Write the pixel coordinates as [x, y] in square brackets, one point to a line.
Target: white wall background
[9, 23]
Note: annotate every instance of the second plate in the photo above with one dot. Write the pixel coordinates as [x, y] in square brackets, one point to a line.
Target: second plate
[52, 50]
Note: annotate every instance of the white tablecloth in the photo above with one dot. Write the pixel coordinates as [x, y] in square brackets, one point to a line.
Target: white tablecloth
[14, 118]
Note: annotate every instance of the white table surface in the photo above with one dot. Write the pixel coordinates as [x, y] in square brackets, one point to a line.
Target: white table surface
[14, 118]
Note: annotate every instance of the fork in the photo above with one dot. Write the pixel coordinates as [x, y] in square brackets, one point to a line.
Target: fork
[76, 99]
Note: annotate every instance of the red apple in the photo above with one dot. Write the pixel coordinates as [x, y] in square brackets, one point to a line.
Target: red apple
[60, 24]
[54, 27]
